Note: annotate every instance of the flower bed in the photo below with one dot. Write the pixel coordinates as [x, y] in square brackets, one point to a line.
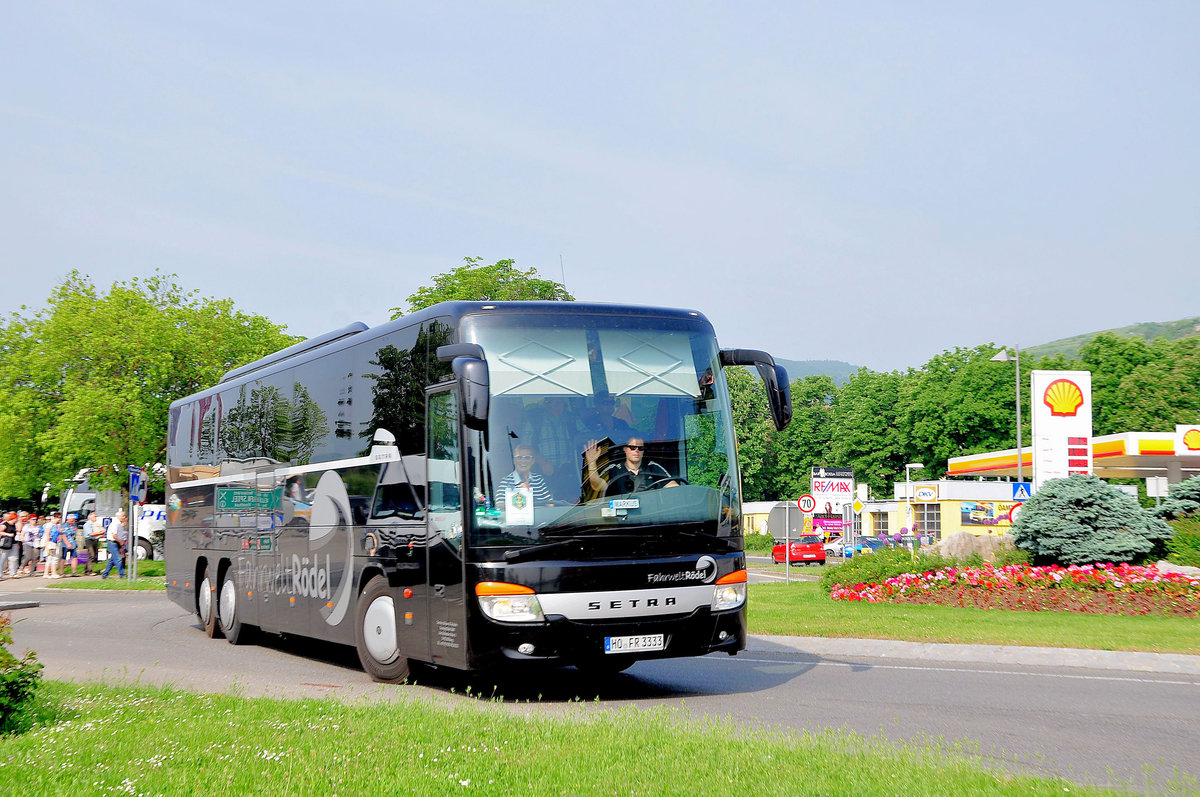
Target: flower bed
[1091, 589]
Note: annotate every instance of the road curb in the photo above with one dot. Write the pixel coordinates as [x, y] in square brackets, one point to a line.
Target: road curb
[1131, 661]
[10, 605]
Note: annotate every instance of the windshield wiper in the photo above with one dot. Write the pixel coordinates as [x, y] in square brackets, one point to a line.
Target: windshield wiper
[533, 551]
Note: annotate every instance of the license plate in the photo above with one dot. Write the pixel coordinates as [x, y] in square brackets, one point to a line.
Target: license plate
[633, 644]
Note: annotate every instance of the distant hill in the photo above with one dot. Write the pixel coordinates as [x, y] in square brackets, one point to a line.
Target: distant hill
[837, 370]
[1171, 330]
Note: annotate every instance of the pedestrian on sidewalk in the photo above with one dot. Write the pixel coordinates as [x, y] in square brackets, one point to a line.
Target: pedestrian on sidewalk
[117, 538]
[52, 546]
[30, 533]
[71, 544]
[10, 548]
[93, 532]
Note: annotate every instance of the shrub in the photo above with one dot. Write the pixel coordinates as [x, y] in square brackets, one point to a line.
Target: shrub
[1081, 520]
[875, 568]
[1184, 547]
[18, 681]
[1183, 500]
[759, 544]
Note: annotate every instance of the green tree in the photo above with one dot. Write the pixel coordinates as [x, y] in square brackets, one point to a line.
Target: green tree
[1183, 500]
[501, 281]
[88, 379]
[755, 435]
[866, 433]
[960, 402]
[1081, 520]
[807, 439]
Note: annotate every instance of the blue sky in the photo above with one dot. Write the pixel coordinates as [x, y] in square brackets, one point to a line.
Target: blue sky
[870, 182]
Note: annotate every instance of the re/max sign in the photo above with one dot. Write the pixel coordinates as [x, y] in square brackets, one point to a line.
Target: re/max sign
[833, 486]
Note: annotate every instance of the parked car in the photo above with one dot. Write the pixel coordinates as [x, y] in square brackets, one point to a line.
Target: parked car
[868, 545]
[833, 547]
[804, 550]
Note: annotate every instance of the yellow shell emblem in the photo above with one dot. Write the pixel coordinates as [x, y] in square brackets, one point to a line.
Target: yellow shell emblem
[1063, 397]
[1191, 440]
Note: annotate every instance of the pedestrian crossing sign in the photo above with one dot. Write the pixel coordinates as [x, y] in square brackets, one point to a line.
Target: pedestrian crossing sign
[1021, 491]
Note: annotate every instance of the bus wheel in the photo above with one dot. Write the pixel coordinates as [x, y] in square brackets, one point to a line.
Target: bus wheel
[204, 604]
[144, 550]
[375, 634]
[237, 632]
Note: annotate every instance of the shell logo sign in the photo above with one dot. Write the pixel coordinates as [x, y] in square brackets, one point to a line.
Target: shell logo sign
[1061, 406]
[1063, 397]
[1187, 440]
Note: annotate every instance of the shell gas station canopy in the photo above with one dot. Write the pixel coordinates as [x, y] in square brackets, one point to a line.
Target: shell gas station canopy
[1132, 455]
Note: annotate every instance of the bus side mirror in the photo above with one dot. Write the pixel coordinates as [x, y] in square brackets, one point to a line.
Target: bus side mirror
[774, 378]
[474, 385]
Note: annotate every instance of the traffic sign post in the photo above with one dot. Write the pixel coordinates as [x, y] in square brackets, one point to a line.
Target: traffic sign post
[139, 483]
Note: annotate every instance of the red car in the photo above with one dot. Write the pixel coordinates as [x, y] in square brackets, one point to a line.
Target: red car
[806, 549]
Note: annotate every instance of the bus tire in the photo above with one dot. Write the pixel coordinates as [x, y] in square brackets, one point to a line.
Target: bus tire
[206, 608]
[375, 635]
[144, 550]
[228, 615]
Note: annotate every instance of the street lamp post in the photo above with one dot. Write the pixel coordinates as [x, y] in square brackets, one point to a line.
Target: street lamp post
[908, 469]
[1002, 357]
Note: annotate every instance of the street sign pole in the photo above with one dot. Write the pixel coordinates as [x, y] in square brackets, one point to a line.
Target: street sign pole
[787, 542]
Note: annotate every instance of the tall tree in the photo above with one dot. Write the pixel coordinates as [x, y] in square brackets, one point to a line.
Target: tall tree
[501, 281]
[806, 441]
[959, 403]
[866, 432]
[755, 435]
[88, 379]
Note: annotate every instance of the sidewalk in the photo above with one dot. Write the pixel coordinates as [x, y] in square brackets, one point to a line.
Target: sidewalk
[21, 592]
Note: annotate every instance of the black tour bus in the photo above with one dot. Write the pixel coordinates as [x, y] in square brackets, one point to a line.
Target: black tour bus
[362, 487]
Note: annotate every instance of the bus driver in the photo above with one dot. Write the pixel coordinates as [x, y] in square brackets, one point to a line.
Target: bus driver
[632, 475]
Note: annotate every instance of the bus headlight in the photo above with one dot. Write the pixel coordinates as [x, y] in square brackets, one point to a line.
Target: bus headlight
[508, 603]
[730, 591]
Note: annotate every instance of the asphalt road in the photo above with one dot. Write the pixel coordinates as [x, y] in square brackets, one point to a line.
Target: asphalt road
[1101, 726]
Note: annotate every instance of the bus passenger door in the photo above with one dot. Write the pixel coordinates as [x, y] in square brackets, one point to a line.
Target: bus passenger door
[444, 532]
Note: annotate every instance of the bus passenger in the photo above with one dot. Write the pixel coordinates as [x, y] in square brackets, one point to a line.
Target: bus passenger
[632, 475]
[524, 476]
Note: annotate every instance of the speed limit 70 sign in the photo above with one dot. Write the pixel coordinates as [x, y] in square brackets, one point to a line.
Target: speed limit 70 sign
[807, 503]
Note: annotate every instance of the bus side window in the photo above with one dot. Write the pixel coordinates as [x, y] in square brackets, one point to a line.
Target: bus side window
[445, 499]
[396, 496]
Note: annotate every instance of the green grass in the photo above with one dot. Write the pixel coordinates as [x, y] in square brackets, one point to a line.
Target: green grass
[97, 739]
[803, 609]
[151, 576]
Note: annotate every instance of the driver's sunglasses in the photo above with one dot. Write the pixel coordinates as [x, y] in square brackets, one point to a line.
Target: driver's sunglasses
[523, 456]
[636, 448]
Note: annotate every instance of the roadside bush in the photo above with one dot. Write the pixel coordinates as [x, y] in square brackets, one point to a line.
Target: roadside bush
[1081, 520]
[875, 568]
[1184, 547]
[1011, 556]
[1183, 500]
[759, 544]
[18, 682]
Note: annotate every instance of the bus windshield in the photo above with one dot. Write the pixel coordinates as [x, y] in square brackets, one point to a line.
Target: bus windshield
[603, 426]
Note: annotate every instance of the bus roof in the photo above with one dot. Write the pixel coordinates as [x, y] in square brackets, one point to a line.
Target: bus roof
[358, 332]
